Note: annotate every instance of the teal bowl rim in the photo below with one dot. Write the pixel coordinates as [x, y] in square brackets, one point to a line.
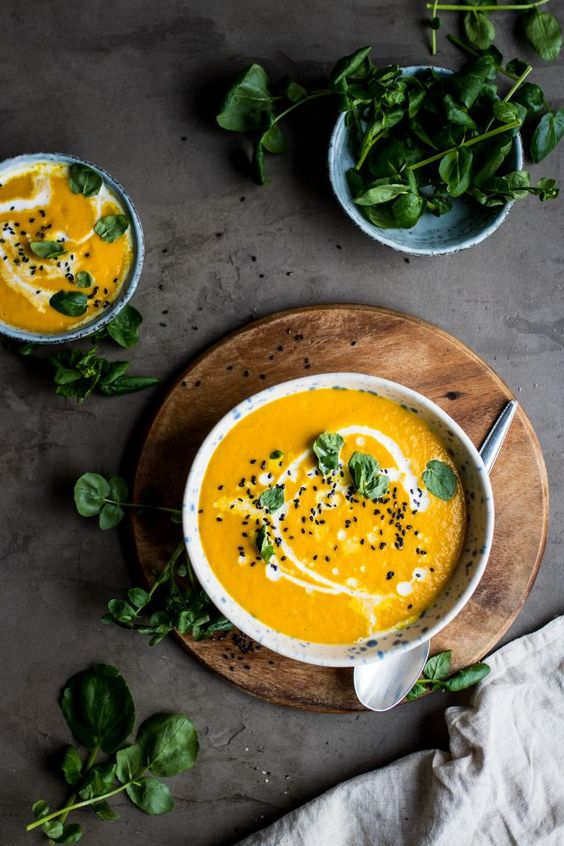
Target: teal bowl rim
[335, 148]
[129, 284]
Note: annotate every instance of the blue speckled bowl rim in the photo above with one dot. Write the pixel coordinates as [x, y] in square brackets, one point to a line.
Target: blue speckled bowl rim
[296, 648]
[129, 284]
[380, 234]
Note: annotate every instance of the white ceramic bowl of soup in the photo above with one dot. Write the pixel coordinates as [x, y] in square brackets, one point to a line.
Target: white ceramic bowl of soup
[462, 582]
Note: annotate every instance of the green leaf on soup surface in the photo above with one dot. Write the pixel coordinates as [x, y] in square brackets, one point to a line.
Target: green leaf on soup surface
[84, 180]
[169, 744]
[276, 454]
[438, 666]
[547, 134]
[479, 29]
[47, 249]
[347, 66]
[366, 476]
[69, 303]
[90, 493]
[381, 194]
[151, 796]
[440, 479]
[272, 498]
[246, 101]
[111, 227]
[98, 708]
[455, 170]
[543, 33]
[327, 447]
[83, 279]
[467, 677]
[264, 545]
[124, 328]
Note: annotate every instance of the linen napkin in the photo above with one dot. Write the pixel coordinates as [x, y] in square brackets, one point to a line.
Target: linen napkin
[502, 782]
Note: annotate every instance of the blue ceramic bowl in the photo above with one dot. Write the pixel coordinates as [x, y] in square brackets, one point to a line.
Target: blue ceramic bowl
[465, 225]
[129, 284]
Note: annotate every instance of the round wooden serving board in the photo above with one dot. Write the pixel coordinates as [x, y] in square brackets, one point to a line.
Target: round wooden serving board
[366, 340]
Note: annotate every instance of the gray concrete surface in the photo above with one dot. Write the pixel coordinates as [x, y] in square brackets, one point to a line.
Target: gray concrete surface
[131, 85]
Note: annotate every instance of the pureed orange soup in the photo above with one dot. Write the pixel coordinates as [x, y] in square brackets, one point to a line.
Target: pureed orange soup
[64, 253]
[332, 538]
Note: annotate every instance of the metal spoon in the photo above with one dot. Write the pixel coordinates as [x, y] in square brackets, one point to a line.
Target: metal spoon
[382, 684]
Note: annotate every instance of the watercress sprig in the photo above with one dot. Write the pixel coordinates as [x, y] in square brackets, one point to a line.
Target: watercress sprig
[436, 676]
[175, 600]
[99, 711]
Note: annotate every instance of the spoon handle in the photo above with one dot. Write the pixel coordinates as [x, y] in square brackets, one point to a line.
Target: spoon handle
[496, 436]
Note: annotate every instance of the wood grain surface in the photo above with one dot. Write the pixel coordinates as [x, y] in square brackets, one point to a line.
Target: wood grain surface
[367, 340]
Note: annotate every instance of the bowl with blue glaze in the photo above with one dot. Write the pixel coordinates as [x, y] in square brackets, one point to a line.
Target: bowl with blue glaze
[462, 582]
[464, 226]
[130, 281]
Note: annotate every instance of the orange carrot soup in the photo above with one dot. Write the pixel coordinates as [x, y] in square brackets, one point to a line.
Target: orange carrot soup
[65, 246]
[330, 515]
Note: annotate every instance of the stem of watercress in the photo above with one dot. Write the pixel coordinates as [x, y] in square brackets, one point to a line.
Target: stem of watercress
[483, 137]
[143, 506]
[433, 30]
[84, 804]
[88, 764]
[467, 49]
[517, 7]
[324, 93]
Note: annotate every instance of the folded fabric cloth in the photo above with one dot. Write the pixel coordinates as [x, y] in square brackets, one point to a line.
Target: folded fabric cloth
[501, 783]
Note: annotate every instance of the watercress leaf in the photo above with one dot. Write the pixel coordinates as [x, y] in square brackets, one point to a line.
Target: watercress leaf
[151, 796]
[64, 376]
[98, 708]
[273, 140]
[272, 498]
[416, 691]
[47, 249]
[467, 83]
[407, 209]
[545, 189]
[90, 492]
[247, 99]
[138, 597]
[489, 156]
[458, 114]
[257, 163]
[467, 677]
[516, 66]
[124, 328]
[111, 227]
[69, 303]
[455, 170]
[72, 832]
[84, 180]
[53, 829]
[510, 186]
[130, 763]
[127, 385]
[381, 194]
[479, 29]
[122, 611]
[69, 764]
[40, 809]
[98, 781]
[366, 476]
[292, 90]
[440, 479]
[347, 66]
[110, 516]
[547, 134]
[355, 182]
[118, 489]
[391, 157]
[169, 744]
[264, 545]
[114, 370]
[415, 98]
[381, 216]
[543, 33]
[420, 131]
[83, 279]
[438, 204]
[438, 666]
[531, 97]
[104, 811]
[506, 112]
[327, 447]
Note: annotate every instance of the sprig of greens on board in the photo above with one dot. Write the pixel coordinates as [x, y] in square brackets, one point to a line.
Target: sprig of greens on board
[436, 676]
[99, 711]
[175, 599]
[78, 373]
[418, 141]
